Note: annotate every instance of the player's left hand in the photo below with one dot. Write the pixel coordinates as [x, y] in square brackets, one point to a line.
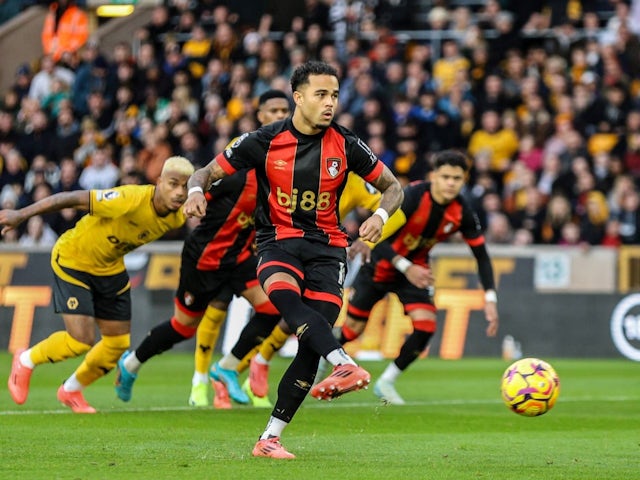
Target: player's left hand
[358, 247]
[196, 205]
[371, 229]
[491, 314]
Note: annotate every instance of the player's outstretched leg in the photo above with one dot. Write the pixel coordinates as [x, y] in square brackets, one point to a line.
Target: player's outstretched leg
[345, 378]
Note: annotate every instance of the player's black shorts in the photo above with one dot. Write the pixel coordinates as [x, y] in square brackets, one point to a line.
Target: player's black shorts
[319, 269]
[365, 293]
[199, 287]
[80, 293]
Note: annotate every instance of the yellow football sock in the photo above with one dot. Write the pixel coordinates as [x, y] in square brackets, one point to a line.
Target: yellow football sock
[57, 347]
[267, 348]
[206, 337]
[102, 358]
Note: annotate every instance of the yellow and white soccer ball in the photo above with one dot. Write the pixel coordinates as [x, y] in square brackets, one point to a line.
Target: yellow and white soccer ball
[530, 387]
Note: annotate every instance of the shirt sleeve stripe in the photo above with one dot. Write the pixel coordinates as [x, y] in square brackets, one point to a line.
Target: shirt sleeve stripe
[225, 165]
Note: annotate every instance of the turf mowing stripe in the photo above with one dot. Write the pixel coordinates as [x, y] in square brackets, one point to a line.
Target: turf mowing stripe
[318, 404]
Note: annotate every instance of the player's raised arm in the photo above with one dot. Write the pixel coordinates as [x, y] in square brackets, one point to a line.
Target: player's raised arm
[200, 182]
[79, 199]
[392, 195]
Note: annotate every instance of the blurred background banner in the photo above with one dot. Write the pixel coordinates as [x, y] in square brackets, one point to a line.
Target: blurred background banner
[553, 302]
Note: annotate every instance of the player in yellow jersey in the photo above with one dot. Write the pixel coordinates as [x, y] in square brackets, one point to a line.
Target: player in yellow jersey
[91, 285]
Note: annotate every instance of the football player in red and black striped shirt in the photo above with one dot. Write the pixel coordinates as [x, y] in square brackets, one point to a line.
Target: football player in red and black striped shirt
[217, 262]
[301, 165]
[430, 213]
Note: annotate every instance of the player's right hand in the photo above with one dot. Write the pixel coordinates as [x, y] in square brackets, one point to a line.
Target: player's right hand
[9, 219]
[419, 276]
[196, 205]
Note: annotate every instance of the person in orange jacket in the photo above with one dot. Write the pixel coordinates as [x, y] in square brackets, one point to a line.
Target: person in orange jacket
[65, 29]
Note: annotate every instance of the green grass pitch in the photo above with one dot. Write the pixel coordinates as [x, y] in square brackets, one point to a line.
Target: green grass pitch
[454, 427]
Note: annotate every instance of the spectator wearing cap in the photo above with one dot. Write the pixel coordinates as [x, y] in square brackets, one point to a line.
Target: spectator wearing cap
[65, 29]
[22, 81]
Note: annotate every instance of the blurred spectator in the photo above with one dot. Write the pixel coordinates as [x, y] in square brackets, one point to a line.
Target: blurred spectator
[558, 213]
[500, 144]
[594, 219]
[629, 218]
[38, 138]
[101, 173]
[153, 154]
[68, 176]
[22, 82]
[65, 29]
[42, 82]
[499, 230]
[38, 233]
[13, 170]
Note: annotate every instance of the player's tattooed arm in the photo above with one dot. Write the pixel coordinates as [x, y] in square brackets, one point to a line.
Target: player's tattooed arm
[200, 182]
[392, 196]
[205, 176]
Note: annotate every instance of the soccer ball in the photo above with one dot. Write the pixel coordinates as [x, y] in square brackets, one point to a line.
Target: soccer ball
[530, 387]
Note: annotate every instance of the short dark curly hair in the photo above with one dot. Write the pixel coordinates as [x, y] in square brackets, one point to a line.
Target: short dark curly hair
[301, 74]
[455, 158]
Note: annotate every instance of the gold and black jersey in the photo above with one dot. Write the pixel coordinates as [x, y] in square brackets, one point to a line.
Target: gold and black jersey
[120, 220]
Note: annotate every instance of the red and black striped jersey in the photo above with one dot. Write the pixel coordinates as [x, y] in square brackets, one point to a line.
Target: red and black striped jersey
[226, 233]
[427, 223]
[300, 178]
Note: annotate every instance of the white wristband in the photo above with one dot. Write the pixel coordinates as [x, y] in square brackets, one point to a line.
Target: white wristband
[382, 213]
[402, 264]
[491, 296]
[195, 189]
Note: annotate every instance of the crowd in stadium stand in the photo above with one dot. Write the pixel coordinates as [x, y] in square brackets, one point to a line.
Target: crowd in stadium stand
[544, 96]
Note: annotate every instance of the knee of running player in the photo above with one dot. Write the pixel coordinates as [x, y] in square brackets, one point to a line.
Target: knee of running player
[423, 318]
[354, 324]
[81, 329]
[186, 319]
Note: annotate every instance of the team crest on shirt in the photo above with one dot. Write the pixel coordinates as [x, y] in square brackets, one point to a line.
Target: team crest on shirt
[448, 227]
[333, 166]
[188, 299]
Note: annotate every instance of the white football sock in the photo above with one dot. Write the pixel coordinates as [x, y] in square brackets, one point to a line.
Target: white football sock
[275, 426]
[199, 378]
[339, 357]
[72, 384]
[391, 373]
[25, 359]
[131, 363]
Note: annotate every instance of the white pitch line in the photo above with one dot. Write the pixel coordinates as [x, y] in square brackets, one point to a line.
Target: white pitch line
[318, 404]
